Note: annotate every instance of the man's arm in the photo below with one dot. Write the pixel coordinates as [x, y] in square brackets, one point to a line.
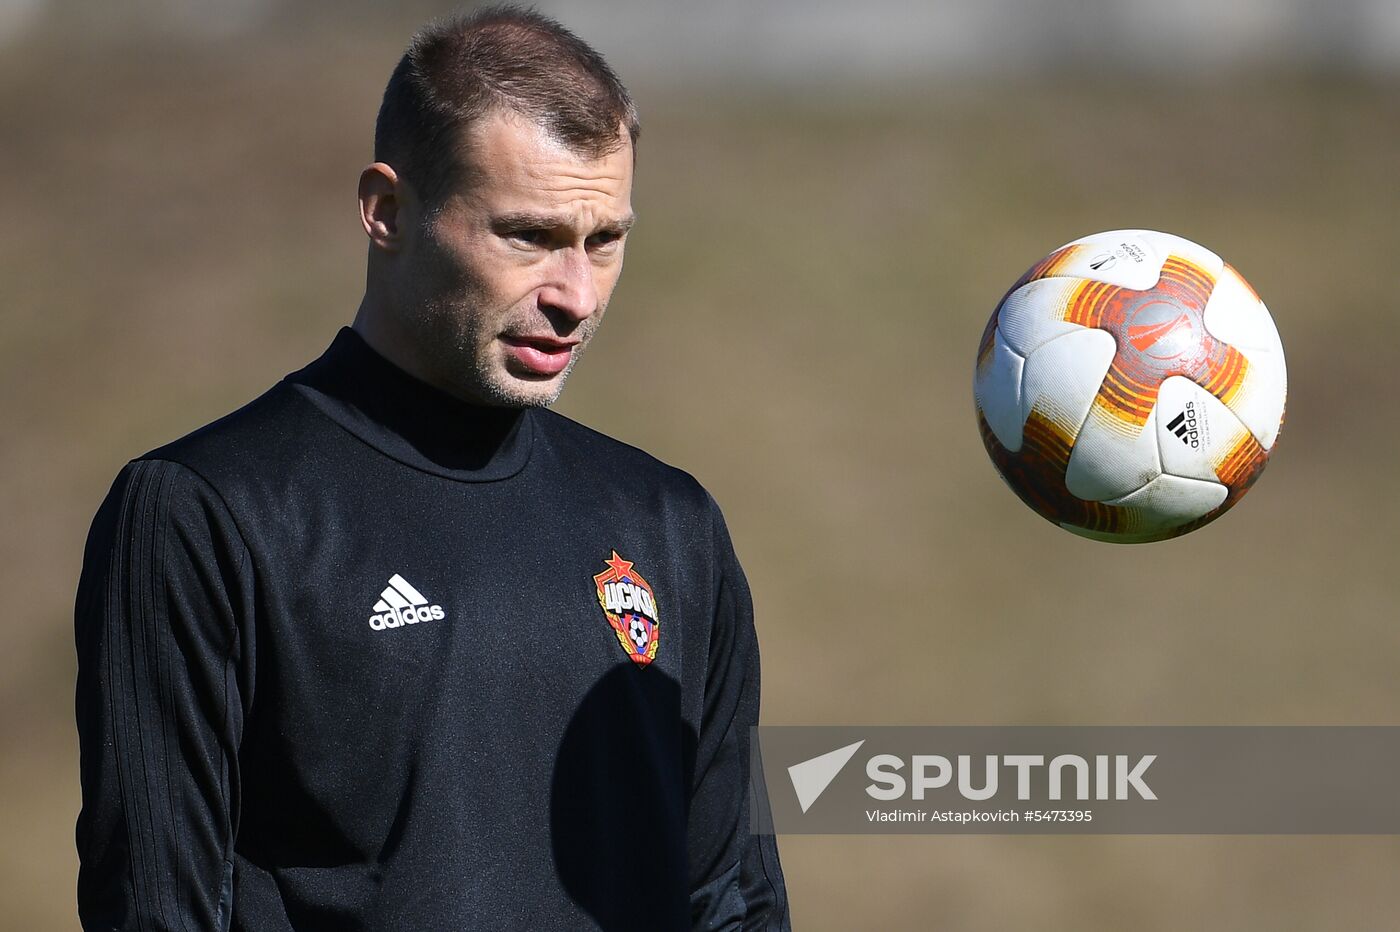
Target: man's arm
[736, 879]
[163, 597]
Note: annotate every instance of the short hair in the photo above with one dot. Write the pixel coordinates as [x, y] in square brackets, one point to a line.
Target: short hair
[498, 59]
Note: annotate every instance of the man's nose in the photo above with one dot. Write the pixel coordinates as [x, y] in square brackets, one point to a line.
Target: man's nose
[571, 288]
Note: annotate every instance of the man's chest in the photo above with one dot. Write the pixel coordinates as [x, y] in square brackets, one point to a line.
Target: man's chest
[507, 607]
[443, 672]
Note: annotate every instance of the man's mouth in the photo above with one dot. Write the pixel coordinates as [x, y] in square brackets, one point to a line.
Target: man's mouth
[542, 356]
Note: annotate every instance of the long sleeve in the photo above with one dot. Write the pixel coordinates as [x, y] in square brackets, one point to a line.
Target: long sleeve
[737, 881]
[164, 595]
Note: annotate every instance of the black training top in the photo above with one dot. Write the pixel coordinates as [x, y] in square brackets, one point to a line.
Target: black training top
[360, 656]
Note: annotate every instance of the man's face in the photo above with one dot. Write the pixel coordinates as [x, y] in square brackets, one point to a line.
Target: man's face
[508, 280]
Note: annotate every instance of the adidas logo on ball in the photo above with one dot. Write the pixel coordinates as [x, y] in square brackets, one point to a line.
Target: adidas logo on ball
[1184, 425]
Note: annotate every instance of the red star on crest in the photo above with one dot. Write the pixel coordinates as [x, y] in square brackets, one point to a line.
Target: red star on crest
[620, 567]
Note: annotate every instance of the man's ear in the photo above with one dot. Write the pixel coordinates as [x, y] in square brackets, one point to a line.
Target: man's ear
[381, 196]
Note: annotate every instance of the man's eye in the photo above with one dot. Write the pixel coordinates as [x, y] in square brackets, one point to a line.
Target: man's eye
[606, 238]
[529, 237]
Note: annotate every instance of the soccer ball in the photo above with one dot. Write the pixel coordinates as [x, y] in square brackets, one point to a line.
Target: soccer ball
[1130, 386]
[637, 631]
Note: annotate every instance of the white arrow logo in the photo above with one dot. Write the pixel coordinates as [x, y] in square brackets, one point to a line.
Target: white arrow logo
[811, 777]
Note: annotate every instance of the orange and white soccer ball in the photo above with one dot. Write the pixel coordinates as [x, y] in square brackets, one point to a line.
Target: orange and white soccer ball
[1130, 386]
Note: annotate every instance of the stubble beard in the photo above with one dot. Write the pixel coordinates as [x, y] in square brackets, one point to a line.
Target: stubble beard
[462, 346]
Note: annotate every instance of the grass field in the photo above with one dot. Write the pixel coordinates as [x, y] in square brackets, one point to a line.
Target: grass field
[796, 326]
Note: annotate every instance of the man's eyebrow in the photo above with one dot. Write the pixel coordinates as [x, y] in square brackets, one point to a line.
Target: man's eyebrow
[619, 226]
[526, 220]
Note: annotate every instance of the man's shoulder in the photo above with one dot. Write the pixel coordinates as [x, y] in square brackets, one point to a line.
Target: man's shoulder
[197, 482]
[252, 439]
[613, 461]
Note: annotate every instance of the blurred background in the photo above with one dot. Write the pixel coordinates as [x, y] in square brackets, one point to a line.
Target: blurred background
[833, 196]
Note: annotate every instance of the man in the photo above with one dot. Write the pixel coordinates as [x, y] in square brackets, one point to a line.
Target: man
[395, 647]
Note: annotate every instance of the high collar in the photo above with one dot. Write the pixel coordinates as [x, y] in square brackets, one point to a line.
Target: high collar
[411, 421]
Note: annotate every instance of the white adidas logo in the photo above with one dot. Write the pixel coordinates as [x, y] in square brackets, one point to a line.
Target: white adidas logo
[401, 604]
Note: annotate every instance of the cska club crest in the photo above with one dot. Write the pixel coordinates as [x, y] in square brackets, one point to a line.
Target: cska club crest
[630, 607]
